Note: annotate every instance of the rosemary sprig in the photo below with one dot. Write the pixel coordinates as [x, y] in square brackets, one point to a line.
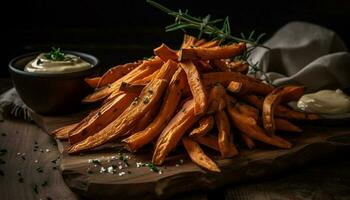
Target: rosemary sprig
[55, 54]
[207, 26]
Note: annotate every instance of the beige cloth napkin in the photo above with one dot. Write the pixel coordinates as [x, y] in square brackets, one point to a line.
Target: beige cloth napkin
[306, 54]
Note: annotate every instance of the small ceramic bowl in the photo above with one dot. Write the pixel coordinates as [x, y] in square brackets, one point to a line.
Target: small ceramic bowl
[51, 94]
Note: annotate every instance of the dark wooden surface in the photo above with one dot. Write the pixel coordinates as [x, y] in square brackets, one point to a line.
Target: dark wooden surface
[326, 179]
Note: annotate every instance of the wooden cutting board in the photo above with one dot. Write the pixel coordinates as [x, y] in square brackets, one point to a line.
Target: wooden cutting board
[315, 143]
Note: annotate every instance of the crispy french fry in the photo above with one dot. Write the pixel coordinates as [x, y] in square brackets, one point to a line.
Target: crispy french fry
[173, 132]
[216, 98]
[141, 71]
[196, 86]
[131, 88]
[203, 67]
[280, 111]
[219, 52]
[198, 156]
[249, 126]
[224, 136]
[248, 141]
[268, 111]
[244, 87]
[101, 118]
[149, 96]
[188, 41]
[292, 93]
[116, 73]
[247, 110]
[233, 66]
[165, 53]
[167, 110]
[206, 124]
[62, 133]
[210, 44]
[126, 120]
[285, 125]
[208, 140]
[92, 82]
[225, 78]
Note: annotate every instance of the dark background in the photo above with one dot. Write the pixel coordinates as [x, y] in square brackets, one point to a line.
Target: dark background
[120, 31]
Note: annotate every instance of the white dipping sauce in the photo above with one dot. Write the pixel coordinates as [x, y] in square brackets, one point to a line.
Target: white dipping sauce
[70, 63]
[325, 102]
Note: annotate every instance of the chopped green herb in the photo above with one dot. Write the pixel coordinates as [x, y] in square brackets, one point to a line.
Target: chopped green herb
[36, 189]
[3, 152]
[135, 101]
[20, 179]
[150, 91]
[145, 99]
[124, 159]
[55, 54]
[44, 184]
[96, 161]
[151, 166]
[40, 170]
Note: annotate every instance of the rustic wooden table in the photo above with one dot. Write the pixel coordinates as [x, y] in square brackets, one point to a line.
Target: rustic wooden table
[28, 159]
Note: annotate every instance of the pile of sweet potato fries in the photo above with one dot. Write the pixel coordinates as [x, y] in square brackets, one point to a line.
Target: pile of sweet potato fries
[196, 95]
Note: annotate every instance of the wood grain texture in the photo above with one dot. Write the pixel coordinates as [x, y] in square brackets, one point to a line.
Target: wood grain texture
[20, 138]
[314, 144]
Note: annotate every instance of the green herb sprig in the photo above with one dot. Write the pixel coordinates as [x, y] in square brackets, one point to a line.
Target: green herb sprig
[208, 26]
[55, 54]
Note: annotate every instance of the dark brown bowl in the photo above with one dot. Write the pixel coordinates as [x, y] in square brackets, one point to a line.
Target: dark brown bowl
[51, 94]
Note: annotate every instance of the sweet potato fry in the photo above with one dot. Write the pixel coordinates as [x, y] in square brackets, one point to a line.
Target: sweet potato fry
[198, 156]
[165, 53]
[167, 110]
[188, 41]
[280, 111]
[209, 44]
[101, 118]
[224, 135]
[285, 125]
[62, 133]
[225, 78]
[143, 70]
[126, 120]
[249, 126]
[244, 87]
[173, 132]
[216, 99]
[202, 66]
[248, 141]
[131, 88]
[116, 73]
[239, 66]
[247, 110]
[196, 86]
[292, 93]
[208, 140]
[93, 82]
[230, 66]
[149, 96]
[219, 52]
[268, 111]
[206, 123]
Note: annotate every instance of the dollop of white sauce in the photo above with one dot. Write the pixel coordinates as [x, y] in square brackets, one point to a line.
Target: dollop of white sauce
[71, 63]
[325, 102]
